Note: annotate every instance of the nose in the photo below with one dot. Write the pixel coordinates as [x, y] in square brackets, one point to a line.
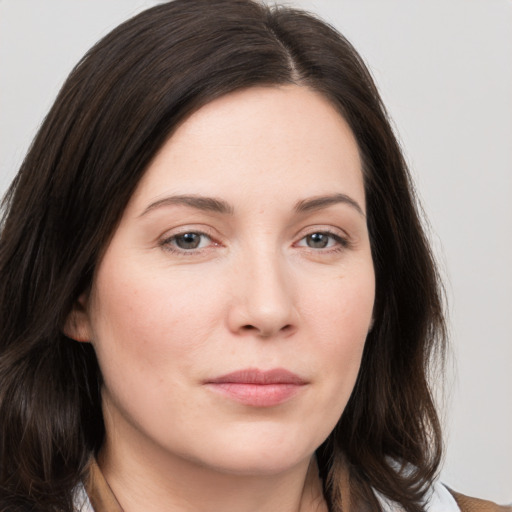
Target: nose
[263, 301]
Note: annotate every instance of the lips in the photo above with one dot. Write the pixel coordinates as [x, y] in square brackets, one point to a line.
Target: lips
[258, 388]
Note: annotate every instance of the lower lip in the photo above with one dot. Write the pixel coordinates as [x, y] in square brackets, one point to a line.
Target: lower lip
[257, 395]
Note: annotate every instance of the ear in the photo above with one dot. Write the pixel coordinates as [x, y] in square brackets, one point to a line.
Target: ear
[77, 325]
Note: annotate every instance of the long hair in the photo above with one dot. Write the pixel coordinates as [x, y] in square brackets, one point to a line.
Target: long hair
[116, 109]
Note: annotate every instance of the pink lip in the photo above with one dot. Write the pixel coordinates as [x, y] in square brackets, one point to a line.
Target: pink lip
[258, 388]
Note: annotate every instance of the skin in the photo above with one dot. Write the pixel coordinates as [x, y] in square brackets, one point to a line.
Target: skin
[259, 291]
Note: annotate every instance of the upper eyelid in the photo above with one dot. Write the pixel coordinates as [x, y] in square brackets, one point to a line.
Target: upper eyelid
[171, 234]
[183, 230]
[341, 243]
[182, 233]
[342, 240]
[166, 243]
[215, 236]
[303, 232]
[323, 228]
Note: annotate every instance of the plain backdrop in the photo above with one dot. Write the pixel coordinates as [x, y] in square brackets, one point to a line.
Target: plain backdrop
[444, 69]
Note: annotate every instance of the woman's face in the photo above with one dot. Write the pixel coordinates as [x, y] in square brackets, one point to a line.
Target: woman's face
[230, 310]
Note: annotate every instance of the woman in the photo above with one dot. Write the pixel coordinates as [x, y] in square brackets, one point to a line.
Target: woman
[215, 290]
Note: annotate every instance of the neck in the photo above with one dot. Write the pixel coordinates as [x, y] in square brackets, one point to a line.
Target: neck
[143, 483]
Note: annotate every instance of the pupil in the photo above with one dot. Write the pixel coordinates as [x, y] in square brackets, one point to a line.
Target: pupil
[188, 241]
[318, 240]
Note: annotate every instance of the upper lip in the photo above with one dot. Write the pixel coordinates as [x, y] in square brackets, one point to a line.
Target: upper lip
[256, 376]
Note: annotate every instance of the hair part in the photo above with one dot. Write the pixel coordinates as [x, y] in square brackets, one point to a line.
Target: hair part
[119, 105]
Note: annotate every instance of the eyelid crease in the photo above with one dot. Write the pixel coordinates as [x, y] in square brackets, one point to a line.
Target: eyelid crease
[344, 241]
[166, 242]
[321, 227]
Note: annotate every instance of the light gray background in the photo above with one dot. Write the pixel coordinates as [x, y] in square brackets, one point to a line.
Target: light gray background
[444, 68]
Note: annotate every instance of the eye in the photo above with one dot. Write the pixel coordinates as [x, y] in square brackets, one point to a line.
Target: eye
[318, 240]
[322, 240]
[187, 241]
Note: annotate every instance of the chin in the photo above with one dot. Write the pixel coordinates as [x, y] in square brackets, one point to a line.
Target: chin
[263, 454]
[258, 465]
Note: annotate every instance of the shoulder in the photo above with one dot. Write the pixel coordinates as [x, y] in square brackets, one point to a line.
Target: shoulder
[468, 504]
[439, 499]
[443, 499]
[81, 500]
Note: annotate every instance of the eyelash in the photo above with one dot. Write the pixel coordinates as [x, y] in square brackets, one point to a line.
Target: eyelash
[169, 244]
[340, 244]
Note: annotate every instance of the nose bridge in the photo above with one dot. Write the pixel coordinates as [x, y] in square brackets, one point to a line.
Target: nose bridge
[269, 283]
[264, 300]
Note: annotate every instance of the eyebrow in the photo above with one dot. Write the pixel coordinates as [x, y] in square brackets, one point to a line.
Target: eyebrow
[320, 202]
[211, 204]
[207, 204]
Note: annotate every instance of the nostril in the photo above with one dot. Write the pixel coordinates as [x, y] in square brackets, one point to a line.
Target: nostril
[264, 332]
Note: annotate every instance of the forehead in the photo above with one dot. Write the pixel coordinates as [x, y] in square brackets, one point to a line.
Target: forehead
[288, 140]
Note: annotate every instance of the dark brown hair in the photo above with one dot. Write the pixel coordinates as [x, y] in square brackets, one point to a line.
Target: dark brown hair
[118, 106]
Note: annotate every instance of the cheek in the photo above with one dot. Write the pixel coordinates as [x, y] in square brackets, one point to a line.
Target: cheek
[343, 306]
[341, 320]
[154, 323]
[149, 339]
[145, 320]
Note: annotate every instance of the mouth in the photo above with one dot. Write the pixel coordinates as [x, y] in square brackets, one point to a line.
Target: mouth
[257, 388]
